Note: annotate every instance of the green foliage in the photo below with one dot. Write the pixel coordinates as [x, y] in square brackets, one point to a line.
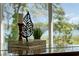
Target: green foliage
[14, 26]
[75, 39]
[22, 7]
[37, 33]
[62, 26]
[40, 24]
[15, 30]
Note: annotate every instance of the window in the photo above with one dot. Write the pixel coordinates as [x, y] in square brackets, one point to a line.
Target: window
[58, 24]
[39, 17]
[65, 28]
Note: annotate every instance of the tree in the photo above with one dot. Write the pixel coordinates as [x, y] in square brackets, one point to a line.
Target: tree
[17, 7]
[61, 26]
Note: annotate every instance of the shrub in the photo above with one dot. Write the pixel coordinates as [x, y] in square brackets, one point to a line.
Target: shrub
[37, 33]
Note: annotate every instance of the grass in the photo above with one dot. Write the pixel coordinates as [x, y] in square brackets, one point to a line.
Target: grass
[75, 39]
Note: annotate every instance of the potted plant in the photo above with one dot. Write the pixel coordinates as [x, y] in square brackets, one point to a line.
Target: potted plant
[38, 46]
[37, 33]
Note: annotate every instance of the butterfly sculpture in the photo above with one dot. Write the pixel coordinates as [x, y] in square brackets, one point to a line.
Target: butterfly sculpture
[27, 28]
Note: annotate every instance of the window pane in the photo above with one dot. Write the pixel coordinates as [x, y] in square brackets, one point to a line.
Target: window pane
[65, 24]
[39, 17]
